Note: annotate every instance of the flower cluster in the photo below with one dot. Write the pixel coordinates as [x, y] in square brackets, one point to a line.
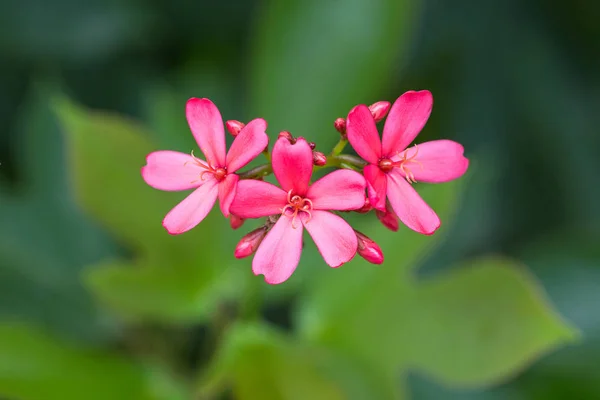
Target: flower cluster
[380, 180]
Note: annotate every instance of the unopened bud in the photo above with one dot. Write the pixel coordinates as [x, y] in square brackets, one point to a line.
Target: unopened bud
[319, 158]
[249, 243]
[340, 126]
[365, 208]
[379, 110]
[234, 127]
[288, 136]
[312, 145]
[368, 249]
[388, 218]
[235, 221]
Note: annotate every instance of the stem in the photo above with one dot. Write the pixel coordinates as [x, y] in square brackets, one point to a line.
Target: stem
[339, 147]
[257, 172]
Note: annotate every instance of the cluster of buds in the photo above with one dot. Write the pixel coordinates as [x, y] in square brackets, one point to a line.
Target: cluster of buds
[380, 181]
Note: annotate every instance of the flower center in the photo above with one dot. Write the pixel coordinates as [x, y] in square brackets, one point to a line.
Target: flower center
[386, 164]
[219, 173]
[295, 205]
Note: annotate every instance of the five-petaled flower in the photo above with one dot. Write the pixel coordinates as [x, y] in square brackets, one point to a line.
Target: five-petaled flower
[215, 177]
[300, 205]
[393, 166]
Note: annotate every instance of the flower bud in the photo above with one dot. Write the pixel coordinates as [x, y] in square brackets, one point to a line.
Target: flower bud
[319, 158]
[340, 126]
[312, 145]
[288, 136]
[388, 218]
[234, 127]
[235, 221]
[368, 249]
[365, 208]
[379, 110]
[249, 243]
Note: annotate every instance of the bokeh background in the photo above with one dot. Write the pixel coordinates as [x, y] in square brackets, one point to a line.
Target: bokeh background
[98, 302]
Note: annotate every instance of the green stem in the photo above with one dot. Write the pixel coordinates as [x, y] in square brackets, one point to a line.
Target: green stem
[339, 147]
[257, 172]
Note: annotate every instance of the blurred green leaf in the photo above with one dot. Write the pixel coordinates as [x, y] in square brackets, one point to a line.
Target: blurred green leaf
[172, 278]
[34, 366]
[44, 237]
[468, 328]
[302, 79]
[482, 323]
[261, 363]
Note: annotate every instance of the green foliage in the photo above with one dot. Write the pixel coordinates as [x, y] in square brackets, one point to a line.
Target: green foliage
[302, 80]
[37, 367]
[171, 278]
[475, 326]
[44, 239]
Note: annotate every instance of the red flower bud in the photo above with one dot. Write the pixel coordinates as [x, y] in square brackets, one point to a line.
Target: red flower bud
[250, 242]
[368, 249]
[365, 208]
[319, 158]
[388, 218]
[235, 221]
[234, 127]
[340, 126]
[288, 136]
[379, 110]
[312, 145]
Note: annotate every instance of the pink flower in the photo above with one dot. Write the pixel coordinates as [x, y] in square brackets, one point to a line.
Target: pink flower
[174, 171]
[393, 167]
[301, 205]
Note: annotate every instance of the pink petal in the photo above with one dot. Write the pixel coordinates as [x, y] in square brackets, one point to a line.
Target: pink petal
[436, 161]
[362, 133]
[255, 199]
[172, 170]
[334, 238]
[409, 206]
[292, 164]
[227, 192]
[279, 253]
[206, 125]
[192, 210]
[377, 185]
[340, 190]
[406, 119]
[249, 143]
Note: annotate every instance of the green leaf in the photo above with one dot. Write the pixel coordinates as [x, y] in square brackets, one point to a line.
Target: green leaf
[172, 277]
[495, 317]
[44, 236]
[34, 366]
[482, 324]
[302, 79]
[261, 363]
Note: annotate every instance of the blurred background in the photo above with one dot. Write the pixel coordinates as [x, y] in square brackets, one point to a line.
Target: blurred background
[98, 302]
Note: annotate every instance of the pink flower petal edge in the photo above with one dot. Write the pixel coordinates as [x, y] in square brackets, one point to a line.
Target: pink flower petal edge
[171, 171]
[412, 210]
[362, 133]
[334, 238]
[279, 253]
[255, 199]
[437, 161]
[377, 186]
[227, 189]
[192, 210]
[248, 144]
[206, 125]
[406, 119]
[292, 164]
[339, 190]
